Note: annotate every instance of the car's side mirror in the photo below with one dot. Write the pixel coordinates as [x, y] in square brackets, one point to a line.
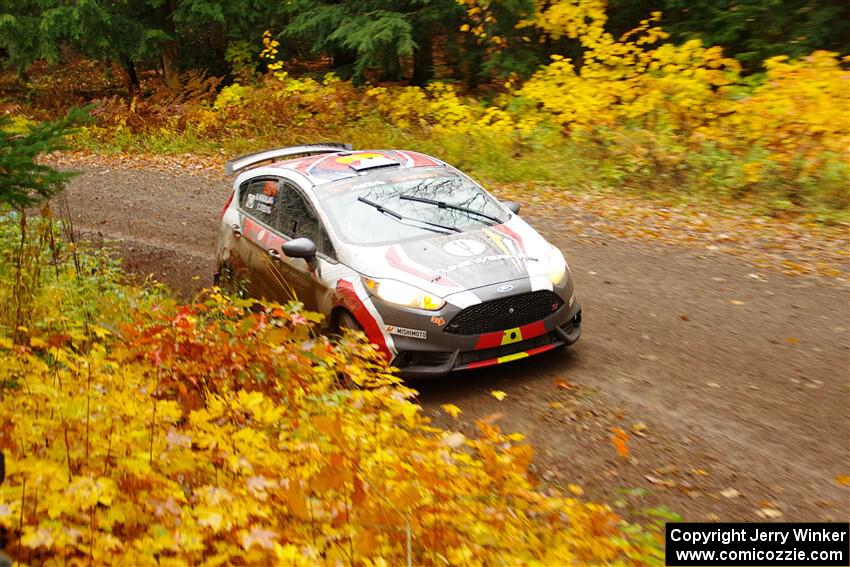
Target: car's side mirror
[302, 248]
[512, 206]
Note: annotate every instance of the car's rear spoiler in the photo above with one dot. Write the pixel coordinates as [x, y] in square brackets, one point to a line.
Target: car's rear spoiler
[241, 162]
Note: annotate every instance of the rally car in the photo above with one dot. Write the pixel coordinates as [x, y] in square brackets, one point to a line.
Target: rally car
[439, 274]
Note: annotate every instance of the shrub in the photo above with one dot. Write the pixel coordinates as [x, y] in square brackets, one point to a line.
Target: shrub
[157, 433]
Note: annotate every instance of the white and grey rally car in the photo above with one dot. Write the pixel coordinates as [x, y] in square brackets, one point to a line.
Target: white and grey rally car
[439, 274]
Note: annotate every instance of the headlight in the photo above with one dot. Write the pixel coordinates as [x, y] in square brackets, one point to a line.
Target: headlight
[393, 291]
[558, 268]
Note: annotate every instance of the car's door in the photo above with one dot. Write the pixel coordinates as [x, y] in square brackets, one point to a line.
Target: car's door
[294, 217]
[257, 205]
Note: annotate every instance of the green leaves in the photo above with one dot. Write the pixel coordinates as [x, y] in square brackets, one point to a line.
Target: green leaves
[24, 181]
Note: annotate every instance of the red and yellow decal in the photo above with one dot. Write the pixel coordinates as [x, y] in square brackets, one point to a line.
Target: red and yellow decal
[351, 158]
[509, 357]
[510, 336]
[504, 229]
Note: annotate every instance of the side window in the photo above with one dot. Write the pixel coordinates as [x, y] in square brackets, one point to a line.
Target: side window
[294, 218]
[258, 198]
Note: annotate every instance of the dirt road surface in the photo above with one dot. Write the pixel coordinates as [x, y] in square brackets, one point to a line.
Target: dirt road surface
[731, 383]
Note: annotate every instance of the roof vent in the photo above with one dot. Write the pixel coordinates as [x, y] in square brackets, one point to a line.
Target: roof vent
[373, 163]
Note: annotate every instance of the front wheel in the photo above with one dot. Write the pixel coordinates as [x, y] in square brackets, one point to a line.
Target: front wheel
[345, 321]
[228, 280]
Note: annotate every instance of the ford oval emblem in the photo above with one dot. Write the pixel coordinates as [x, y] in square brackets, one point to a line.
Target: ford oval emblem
[504, 288]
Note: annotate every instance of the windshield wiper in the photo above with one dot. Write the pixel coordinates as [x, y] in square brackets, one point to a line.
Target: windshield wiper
[401, 218]
[444, 205]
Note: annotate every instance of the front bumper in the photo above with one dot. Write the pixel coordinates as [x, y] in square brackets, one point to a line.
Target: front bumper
[433, 359]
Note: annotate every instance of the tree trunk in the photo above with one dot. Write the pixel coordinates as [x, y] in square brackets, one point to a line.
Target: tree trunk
[343, 58]
[132, 77]
[169, 73]
[474, 62]
[391, 69]
[423, 58]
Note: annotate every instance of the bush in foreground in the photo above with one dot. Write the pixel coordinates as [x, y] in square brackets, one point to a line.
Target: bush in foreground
[141, 431]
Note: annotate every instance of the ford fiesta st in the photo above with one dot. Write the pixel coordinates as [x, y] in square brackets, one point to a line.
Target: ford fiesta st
[435, 271]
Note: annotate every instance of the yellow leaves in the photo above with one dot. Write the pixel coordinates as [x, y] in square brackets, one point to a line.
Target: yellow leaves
[272, 470]
[405, 497]
[452, 410]
[263, 409]
[498, 394]
[843, 480]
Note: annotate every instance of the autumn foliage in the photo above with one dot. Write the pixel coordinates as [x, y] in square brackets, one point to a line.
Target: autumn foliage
[634, 111]
[140, 431]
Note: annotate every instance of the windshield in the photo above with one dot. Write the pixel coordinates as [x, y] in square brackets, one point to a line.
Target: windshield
[395, 206]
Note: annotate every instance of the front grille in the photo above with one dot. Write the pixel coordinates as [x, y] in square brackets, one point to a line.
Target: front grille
[505, 313]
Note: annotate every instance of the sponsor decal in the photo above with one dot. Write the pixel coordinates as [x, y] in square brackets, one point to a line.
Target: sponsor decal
[351, 158]
[405, 332]
[437, 320]
[483, 260]
[249, 202]
[261, 235]
[464, 247]
[505, 288]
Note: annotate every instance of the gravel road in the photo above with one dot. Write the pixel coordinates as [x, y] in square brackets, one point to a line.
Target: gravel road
[731, 383]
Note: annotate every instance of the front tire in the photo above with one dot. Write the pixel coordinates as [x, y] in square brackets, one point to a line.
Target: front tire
[345, 321]
[228, 280]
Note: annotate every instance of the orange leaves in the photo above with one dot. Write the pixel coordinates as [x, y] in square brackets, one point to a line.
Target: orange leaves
[329, 425]
[296, 500]
[620, 439]
[405, 497]
[331, 477]
[521, 456]
[604, 523]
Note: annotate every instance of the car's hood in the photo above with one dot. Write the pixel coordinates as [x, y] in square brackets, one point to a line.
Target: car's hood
[451, 263]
